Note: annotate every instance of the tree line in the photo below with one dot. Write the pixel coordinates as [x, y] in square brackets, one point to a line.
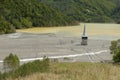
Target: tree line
[17, 14]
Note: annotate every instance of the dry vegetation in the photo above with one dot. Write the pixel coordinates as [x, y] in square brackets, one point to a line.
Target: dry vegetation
[92, 29]
[78, 71]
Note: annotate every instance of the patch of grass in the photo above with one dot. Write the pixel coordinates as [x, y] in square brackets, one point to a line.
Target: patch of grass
[92, 29]
[78, 71]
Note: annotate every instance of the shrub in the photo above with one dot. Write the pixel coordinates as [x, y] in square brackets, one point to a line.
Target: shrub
[13, 70]
[33, 67]
[115, 50]
[113, 47]
[118, 22]
[11, 62]
[116, 56]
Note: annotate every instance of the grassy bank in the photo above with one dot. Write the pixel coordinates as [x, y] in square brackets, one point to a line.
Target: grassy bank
[77, 71]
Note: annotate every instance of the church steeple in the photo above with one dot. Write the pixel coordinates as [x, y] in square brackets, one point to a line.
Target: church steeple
[84, 31]
[84, 37]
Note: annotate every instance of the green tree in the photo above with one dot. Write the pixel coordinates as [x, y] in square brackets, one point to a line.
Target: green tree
[17, 24]
[113, 46]
[11, 62]
[26, 23]
[116, 56]
[6, 27]
[115, 50]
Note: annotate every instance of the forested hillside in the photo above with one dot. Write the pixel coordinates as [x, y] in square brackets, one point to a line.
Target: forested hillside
[27, 13]
[16, 14]
[116, 14]
[84, 10]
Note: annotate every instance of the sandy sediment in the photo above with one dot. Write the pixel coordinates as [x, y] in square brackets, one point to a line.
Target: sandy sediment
[27, 45]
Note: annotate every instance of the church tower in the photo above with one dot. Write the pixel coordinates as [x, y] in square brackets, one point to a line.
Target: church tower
[84, 37]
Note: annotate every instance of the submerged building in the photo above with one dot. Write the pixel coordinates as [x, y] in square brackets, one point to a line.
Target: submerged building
[84, 37]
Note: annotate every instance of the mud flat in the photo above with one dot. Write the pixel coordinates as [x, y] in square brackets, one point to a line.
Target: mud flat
[61, 41]
[27, 45]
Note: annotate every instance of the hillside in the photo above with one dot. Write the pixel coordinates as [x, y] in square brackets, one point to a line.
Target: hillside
[84, 10]
[28, 13]
[77, 71]
[17, 14]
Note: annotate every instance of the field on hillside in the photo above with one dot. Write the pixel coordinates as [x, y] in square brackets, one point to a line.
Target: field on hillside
[78, 71]
[92, 29]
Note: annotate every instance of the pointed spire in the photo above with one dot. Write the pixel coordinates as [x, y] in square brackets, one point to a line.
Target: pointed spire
[84, 31]
[84, 37]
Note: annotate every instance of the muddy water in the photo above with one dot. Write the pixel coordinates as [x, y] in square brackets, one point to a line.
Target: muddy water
[92, 29]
